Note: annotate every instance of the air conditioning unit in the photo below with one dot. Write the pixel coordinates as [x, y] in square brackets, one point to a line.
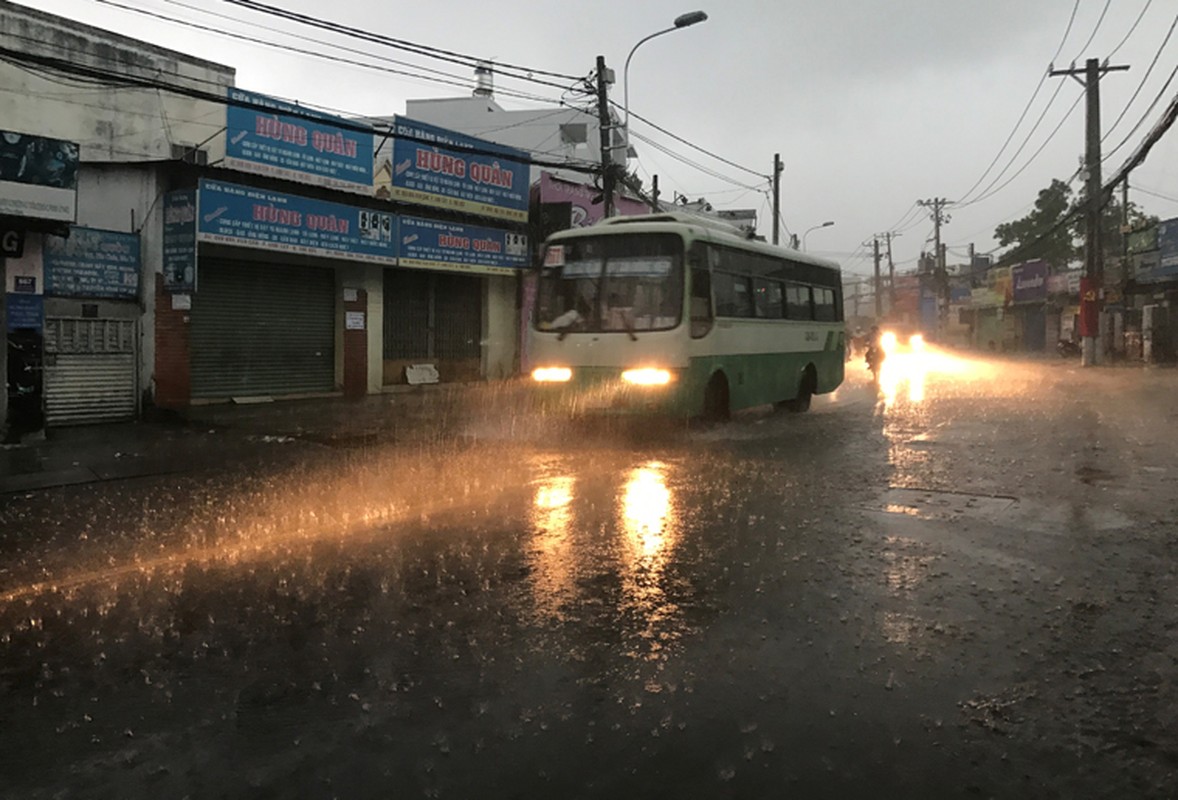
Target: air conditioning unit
[190, 154]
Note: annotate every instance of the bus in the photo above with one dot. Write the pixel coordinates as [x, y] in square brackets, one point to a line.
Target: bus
[679, 315]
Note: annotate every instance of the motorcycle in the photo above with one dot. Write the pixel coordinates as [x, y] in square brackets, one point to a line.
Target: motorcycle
[874, 358]
[1067, 348]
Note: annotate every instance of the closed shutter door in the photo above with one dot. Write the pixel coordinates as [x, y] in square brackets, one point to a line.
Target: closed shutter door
[459, 301]
[90, 371]
[262, 329]
[406, 314]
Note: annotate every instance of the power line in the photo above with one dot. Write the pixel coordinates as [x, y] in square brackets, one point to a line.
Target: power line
[1071, 19]
[986, 192]
[105, 77]
[1031, 160]
[432, 75]
[441, 54]
[1144, 116]
[692, 145]
[1092, 35]
[1137, 91]
[1132, 28]
[694, 164]
[1158, 195]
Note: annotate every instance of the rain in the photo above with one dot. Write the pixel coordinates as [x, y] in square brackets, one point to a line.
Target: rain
[952, 581]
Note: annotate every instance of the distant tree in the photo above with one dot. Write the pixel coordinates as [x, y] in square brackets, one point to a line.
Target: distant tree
[1066, 243]
[1058, 248]
[1111, 222]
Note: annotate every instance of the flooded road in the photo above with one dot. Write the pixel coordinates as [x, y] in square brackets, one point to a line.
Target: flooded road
[958, 584]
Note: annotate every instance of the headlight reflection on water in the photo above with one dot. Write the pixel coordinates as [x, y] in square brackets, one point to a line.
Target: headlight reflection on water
[646, 507]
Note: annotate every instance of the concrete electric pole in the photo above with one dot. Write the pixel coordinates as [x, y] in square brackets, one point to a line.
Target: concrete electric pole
[891, 274]
[777, 168]
[1092, 289]
[878, 291]
[937, 204]
[604, 78]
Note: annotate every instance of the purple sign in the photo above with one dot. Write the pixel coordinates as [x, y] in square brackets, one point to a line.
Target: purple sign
[1029, 282]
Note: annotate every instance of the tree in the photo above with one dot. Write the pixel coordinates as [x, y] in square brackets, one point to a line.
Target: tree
[1065, 243]
[1057, 248]
[1111, 220]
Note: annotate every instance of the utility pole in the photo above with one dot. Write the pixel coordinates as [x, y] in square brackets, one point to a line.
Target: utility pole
[654, 193]
[605, 124]
[878, 291]
[937, 204]
[1091, 288]
[891, 275]
[777, 169]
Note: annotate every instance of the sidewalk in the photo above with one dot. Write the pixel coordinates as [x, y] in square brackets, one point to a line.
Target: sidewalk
[212, 436]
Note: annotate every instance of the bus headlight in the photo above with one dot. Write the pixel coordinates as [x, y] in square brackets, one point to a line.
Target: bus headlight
[552, 374]
[647, 376]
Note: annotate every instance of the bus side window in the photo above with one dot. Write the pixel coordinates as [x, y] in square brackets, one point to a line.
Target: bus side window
[701, 302]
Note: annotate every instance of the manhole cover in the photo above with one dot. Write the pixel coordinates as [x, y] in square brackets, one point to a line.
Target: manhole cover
[937, 504]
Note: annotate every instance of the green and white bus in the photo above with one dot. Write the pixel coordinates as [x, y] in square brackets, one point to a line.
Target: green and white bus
[678, 315]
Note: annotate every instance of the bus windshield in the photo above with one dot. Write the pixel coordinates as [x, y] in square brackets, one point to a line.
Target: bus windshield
[616, 283]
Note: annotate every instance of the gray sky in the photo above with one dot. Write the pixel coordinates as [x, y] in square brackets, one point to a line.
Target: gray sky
[871, 105]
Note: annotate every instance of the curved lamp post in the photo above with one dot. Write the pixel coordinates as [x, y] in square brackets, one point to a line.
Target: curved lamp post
[681, 21]
[826, 224]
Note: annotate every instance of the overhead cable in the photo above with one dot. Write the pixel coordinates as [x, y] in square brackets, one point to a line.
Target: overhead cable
[1018, 123]
[528, 73]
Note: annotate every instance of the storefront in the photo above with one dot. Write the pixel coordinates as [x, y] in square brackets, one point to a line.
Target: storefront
[263, 327]
[79, 325]
[449, 304]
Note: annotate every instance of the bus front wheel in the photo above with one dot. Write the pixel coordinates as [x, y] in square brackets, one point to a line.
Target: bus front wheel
[717, 407]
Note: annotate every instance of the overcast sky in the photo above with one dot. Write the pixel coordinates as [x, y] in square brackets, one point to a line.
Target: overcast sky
[872, 105]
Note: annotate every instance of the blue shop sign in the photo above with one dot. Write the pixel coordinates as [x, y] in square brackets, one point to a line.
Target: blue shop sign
[436, 167]
[92, 263]
[434, 244]
[271, 137]
[180, 241]
[26, 311]
[246, 216]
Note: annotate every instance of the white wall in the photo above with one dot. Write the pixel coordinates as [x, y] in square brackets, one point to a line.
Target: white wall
[500, 328]
[128, 198]
[109, 124]
[536, 131]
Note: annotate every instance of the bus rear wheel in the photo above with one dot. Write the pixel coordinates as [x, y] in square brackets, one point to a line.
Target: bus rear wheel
[717, 407]
[806, 390]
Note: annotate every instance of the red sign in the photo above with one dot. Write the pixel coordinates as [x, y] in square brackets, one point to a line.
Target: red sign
[1089, 308]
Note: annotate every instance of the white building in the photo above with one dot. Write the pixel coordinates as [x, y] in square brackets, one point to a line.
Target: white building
[261, 319]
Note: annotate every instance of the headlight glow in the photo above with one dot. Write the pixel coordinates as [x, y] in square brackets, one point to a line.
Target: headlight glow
[552, 374]
[647, 376]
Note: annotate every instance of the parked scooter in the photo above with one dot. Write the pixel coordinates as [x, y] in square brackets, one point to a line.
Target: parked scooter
[1067, 348]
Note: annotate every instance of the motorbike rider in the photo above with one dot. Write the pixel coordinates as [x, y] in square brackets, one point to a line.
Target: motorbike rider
[875, 353]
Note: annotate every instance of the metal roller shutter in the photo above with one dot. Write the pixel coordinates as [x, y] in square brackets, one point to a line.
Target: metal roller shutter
[432, 315]
[90, 371]
[262, 329]
[459, 316]
[407, 314]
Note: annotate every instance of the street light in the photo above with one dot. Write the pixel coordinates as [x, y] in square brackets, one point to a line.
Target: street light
[826, 224]
[681, 21]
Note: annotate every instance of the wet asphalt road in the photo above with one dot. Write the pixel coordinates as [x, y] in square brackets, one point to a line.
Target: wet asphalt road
[965, 588]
